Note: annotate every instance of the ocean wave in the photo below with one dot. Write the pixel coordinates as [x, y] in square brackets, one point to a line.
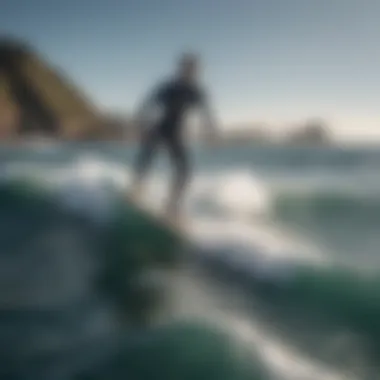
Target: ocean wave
[330, 206]
[271, 265]
[48, 282]
[315, 294]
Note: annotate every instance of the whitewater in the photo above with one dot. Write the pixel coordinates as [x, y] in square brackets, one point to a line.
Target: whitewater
[286, 255]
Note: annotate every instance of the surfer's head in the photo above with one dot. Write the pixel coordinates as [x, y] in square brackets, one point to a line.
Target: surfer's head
[188, 66]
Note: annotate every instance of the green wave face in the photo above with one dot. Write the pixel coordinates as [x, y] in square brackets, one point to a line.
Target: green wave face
[131, 242]
[73, 291]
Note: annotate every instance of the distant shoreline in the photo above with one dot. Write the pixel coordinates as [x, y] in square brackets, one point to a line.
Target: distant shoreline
[45, 142]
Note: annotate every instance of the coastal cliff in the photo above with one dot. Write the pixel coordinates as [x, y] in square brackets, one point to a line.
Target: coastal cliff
[38, 99]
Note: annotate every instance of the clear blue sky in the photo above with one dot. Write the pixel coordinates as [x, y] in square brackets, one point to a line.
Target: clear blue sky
[274, 60]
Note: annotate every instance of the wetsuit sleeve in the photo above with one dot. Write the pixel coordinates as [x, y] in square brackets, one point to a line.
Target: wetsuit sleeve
[154, 98]
[159, 94]
[206, 112]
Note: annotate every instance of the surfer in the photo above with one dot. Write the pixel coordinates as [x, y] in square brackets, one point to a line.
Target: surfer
[174, 98]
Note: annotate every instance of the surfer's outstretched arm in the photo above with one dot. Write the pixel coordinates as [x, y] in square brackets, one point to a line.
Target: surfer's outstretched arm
[208, 117]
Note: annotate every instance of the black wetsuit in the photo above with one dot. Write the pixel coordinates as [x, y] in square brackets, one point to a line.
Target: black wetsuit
[175, 98]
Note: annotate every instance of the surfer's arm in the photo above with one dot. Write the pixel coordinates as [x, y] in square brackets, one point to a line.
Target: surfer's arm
[208, 116]
[149, 104]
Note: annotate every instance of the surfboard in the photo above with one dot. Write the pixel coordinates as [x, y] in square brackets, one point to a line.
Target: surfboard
[176, 225]
[152, 233]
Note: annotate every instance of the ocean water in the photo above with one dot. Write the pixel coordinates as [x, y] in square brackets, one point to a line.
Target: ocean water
[283, 281]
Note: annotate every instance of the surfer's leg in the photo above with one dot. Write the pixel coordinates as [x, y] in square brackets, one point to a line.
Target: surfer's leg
[180, 161]
[144, 157]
